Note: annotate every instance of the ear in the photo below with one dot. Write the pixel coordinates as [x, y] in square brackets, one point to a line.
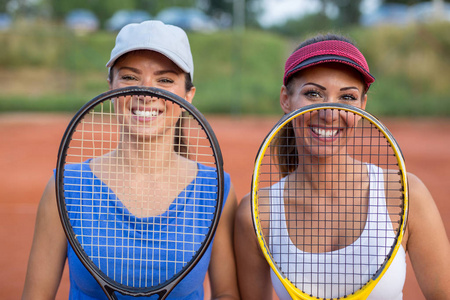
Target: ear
[285, 99]
[190, 95]
[108, 79]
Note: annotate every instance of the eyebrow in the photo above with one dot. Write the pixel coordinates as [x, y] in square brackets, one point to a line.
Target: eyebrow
[349, 88]
[324, 88]
[162, 72]
[138, 71]
[315, 84]
[135, 70]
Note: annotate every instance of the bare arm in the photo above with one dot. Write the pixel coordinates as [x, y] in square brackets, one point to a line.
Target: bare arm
[48, 251]
[427, 243]
[222, 269]
[252, 268]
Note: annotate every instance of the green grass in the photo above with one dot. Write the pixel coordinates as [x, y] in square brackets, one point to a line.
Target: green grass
[238, 73]
[235, 73]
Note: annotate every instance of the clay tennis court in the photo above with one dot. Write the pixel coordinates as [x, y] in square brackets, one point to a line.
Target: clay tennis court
[29, 145]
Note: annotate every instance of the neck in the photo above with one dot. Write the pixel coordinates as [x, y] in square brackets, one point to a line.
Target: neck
[146, 155]
[326, 173]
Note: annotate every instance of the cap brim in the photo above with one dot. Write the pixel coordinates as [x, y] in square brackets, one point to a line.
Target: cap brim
[368, 78]
[167, 54]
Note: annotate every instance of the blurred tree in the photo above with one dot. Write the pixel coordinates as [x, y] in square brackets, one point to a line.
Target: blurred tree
[154, 7]
[106, 8]
[103, 9]
[218, 9]
[407, 2]
[333, 14]
[3, 5]
[348, 11]
[21, 7]
[224, 10]
[299, 28]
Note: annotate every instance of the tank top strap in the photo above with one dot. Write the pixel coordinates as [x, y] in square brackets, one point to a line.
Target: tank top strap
[377, 213]
[278, 233]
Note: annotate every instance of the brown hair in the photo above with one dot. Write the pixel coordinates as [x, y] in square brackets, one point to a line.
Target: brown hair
[284, 150]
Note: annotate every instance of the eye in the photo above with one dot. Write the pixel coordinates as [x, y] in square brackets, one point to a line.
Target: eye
[312, 94]
[349, 97]
[128, 77]
[165, 80]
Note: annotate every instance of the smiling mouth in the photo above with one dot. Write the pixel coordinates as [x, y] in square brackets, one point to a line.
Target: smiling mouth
[325, 133]
[146, 113]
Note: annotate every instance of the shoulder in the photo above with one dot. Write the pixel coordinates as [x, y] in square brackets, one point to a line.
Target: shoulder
[48, 198]
[211, 172]
[427, 242]
[423, 217]
[243, 213]
[420, 199]
[415, 184]
[245, 236]
[244, 204]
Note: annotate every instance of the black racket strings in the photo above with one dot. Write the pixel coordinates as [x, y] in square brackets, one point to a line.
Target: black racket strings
[366, 144]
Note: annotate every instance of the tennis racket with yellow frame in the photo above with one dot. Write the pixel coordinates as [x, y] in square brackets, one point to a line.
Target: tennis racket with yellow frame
[329, 201]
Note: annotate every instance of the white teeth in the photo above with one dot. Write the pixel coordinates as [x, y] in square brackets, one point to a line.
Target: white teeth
[145, 113]
[324, 133]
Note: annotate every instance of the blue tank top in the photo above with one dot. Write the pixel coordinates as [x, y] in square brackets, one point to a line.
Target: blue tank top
[82, 283]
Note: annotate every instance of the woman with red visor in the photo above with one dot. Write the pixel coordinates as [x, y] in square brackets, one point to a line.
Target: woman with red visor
[330, 69]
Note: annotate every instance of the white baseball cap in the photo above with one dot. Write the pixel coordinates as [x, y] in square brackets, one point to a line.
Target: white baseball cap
[169, 40]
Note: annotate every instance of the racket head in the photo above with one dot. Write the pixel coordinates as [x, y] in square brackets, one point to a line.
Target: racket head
[371, 143]
[149, 257]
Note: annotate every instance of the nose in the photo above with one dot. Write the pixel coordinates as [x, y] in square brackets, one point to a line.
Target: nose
[145, 98]
[328, 115]
[147, 80]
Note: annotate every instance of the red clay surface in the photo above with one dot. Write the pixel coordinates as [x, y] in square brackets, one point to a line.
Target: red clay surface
[29, 145]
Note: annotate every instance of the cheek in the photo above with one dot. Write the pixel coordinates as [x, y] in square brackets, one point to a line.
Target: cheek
[173, 113]
[351, 122]
[300, 126]
[297, 102]
[350, 119]
[121, 105]
[115, 85]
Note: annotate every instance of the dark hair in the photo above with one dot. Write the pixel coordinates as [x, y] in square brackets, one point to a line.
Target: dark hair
[284, 148]
[324, 37]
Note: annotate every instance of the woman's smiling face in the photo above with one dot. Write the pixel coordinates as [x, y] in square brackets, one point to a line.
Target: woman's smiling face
[323, 132]
[146, 115]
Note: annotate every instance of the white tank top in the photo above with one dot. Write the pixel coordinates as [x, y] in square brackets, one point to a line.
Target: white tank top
[334, 267]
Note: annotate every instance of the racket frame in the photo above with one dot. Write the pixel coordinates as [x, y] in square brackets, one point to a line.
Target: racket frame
[296, 293]
[108, 285]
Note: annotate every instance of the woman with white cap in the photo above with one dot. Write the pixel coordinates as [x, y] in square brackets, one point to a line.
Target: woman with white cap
[330, 69]
[149, 54]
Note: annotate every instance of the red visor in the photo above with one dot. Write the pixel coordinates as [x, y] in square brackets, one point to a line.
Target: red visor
[328, 51]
